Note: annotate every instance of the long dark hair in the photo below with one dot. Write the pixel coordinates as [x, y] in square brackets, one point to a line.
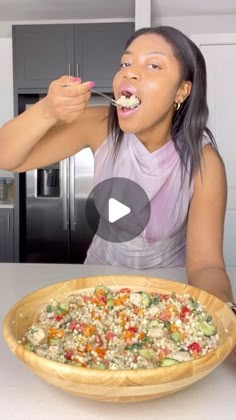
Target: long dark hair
[189, 122]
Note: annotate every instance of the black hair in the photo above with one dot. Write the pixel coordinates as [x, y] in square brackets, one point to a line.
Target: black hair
[189, 122]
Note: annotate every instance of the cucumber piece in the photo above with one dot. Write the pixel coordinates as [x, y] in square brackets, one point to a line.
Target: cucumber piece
[110, 303]
[98, 366]
[167, 325]
[30, 347]
[176, 337]
[152, 324]
[147, 340]
[65, 320]
[193, 304]
[134, 346]
[50, 309]
[167, 361]
[207, 329]
[63, 307]
[55, 341]
[155, 300]
[147, 354]
[146, 299]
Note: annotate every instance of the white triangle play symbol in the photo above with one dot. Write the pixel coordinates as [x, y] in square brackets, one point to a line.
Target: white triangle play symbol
[116, 210]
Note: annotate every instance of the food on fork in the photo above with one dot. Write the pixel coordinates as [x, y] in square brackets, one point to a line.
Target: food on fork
[128, 101]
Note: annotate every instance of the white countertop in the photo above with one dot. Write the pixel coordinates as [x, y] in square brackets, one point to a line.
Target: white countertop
[24, 396]
[7, 206]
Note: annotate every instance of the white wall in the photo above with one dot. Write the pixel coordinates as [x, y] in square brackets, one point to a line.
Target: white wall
[200, 24]
[188, 24]
[142, 14]
[6, 85]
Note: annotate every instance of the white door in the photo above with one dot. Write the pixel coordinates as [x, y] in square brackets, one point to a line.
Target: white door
[219, 51]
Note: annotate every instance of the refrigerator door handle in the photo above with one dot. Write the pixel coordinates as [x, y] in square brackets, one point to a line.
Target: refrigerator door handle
[72, 194]
[64, 192]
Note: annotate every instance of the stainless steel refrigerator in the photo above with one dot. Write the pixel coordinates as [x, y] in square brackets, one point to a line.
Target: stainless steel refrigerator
[56, 227]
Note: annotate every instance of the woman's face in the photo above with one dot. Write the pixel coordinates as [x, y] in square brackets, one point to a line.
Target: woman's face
[149, 70]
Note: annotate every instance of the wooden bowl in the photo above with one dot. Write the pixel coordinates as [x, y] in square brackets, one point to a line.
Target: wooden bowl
[119, 385]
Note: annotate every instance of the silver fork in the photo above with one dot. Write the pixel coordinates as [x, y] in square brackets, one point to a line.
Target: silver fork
[112, 101]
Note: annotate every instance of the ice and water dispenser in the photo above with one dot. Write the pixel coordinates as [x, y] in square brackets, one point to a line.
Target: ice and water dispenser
[48, 181]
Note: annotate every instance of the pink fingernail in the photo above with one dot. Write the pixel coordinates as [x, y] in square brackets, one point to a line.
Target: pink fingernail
[92, 84]
[77, 79]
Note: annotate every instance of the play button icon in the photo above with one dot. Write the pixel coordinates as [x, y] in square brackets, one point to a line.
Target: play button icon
[122, 207]
[116, 210]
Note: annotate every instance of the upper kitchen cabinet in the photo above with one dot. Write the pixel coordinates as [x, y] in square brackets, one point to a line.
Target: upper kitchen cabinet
[98, 49]
[42, 53]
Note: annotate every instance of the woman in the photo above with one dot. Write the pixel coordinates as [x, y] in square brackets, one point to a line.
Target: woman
[163, 144]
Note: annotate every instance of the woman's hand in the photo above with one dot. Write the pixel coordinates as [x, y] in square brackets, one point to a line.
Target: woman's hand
[67, 98]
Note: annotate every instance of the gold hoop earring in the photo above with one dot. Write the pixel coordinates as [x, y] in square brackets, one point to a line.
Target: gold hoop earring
[177, 105]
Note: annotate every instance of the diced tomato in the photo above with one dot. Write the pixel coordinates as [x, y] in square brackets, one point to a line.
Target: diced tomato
[69, 354]
[136, 310]
[164, 316]
[195, 347]
[124, 290]
[109, 335]
[133, 329]
[58, 317]
[98, 339]
[103, 298]
[184, 313]
[162, 353]
[99, 301]
[164, 297]
[73, 325]
[87, 299]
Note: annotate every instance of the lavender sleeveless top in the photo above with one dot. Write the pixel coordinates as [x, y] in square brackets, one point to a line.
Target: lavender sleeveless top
[162, 243]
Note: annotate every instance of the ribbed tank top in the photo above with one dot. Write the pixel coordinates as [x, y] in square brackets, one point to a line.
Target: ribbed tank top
[163, 241]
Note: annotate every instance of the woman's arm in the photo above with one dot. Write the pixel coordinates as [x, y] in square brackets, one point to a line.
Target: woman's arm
[54, 128]
[205, 263]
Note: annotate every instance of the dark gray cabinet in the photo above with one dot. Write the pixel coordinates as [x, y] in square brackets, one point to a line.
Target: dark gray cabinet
[98, 49]
[6, 235]
[42, 53]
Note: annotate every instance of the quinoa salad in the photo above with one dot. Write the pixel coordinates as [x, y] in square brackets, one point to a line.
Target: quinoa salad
[122, 329]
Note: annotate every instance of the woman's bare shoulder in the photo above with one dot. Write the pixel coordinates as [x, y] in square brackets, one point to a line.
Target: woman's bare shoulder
[212, 173]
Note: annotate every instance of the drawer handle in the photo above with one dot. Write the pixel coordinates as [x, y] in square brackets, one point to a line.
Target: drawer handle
[77, 70]
[8, 222]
